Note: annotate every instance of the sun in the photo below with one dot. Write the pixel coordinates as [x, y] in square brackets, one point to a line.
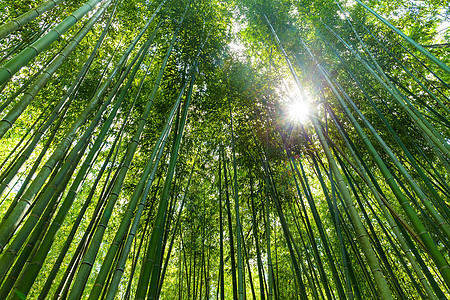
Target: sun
[298, 111]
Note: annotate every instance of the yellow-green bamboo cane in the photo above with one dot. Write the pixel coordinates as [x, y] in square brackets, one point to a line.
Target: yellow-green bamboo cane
[27, 17]
[23, 58]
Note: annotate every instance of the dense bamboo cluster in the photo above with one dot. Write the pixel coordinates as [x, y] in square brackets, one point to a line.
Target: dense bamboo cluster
[141, 158]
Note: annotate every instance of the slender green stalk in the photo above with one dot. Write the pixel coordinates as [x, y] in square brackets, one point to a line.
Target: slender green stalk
[424, 236]
[286, 231]
[92, 251]
[370, 255]
[241, 286]
[27, 17]
[416, 45]
[256, 238]
[35, 237]
[64, 102]
[230, 228]
[309, 197]
[140, 192]
[25, 56]
[7, 121]
[221, 262]
[381, 202]
[153, 255]
[8, 226]
[178, 220]
[42, 200]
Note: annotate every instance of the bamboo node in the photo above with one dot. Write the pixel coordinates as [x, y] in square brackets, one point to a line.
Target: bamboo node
[423, 232]
[26, 200]
[8, 70]
[17, 22]
[443, 268]
[361, 235]
[87, 263]
[376, 270]
[36, 50]
[36, 10]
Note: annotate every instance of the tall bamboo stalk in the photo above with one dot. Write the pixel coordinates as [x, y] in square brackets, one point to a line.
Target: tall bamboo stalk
[27, 17]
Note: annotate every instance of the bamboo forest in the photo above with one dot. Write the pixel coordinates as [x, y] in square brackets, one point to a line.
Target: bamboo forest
[234, 149]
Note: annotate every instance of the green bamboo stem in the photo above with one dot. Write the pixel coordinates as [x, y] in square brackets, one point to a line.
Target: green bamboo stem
[268, 245]
[399, 142]
[8, 226]
[434, 138]
[91, 253]
[439, 102]
[43, 116]
[381, 202]
[347, 18]
[423, 266]
[27, 17]
[58, 112]
[178, 220]
[230, 228]
[286, 232]
[363, 239]
[153, 255]
[401, 259]
[47, 194]
[311, 275]
[47, 243]
[241, 286]
[318, 222]
[120, 268]
[413, 43]
[425, 237]
[438, 118]
[34, 166]
[310, 234]
[221, 285]
[140, 192]
[445, 84]
[25, 56]
[332, 206]
[35, 239]
[63, 287]
[362, 236]
[22, 156]
[256, 238]
[14, 97]
[362, 272]
[374, 238]
[137, 252]
[440, 221]
[56, 265]
[425, 200]
[42, 201]
[383, 227]
[29, 95]
[25, 41]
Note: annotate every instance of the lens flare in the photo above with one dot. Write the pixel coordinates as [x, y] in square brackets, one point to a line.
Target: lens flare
[298, 111]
